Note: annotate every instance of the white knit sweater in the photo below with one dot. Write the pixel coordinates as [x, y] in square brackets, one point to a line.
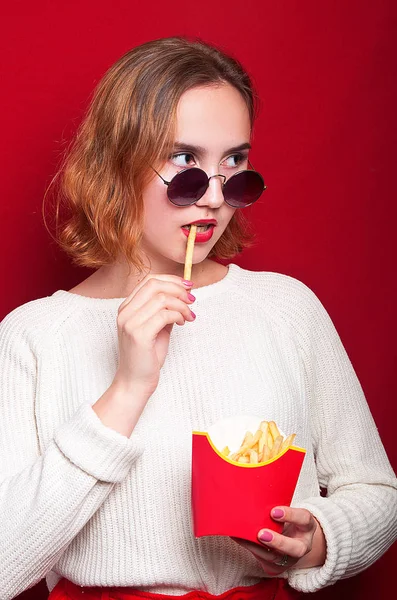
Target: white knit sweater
[81, 501]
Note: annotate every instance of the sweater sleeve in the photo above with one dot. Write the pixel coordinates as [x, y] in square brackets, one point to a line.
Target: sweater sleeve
[47, 498]
[359, 513]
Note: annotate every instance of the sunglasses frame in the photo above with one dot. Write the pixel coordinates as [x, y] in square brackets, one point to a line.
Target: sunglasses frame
[252, 170]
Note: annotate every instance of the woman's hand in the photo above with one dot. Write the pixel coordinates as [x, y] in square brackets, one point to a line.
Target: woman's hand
[145, 321]
[144, 324]
[301, 545]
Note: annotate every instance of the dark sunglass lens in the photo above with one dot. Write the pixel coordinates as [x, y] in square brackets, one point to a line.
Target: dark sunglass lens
[187, 187]
[243, 189]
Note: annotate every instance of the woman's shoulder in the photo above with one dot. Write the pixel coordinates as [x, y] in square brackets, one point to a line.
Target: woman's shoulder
[37, 318]
[274, 288]
[285, 299]
[41, 308]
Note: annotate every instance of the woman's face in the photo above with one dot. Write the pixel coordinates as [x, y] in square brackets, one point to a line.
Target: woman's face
[211, 123]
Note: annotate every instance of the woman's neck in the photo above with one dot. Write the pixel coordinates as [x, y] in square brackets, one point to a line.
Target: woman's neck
[116, 280]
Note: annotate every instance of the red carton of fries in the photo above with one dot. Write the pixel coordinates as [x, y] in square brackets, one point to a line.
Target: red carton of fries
[233, 493]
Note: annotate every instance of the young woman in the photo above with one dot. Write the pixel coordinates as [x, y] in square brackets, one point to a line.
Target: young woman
[102, 385]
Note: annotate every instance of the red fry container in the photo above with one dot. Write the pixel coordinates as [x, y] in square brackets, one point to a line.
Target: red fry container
[234, 499]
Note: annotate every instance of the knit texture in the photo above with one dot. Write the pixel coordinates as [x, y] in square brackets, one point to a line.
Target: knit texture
[78, 500]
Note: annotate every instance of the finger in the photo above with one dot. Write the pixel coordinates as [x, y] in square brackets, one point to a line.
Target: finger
[152, 288]
[300, 517]
[260, 552]
[163, 318]
[167, 278]
[266, 557]
[151, 284]
[158, 303]
[295, 547]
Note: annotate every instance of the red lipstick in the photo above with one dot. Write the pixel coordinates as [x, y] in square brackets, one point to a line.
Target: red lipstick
[204, 235]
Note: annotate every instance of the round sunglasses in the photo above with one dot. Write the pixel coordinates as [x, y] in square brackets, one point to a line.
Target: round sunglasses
[189, 185]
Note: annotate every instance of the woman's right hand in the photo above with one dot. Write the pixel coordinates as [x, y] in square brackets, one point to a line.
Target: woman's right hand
[145, 321]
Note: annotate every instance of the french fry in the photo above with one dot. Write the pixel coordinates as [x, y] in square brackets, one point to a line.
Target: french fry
[253, 456]
[277, 446]
[262, 442]
[274, 430]
[249, 442]
[288, 441]
[189, 253]
[265, 454]
[257, 436]
[247, 439]
[263, 425]
[267, 443]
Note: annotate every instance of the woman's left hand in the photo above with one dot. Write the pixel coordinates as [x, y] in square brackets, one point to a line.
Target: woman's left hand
[301, 545]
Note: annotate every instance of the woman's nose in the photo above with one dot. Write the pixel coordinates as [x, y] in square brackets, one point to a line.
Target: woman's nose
[213, 196]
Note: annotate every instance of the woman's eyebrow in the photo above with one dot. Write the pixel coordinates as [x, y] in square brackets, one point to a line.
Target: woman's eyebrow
[200, 151]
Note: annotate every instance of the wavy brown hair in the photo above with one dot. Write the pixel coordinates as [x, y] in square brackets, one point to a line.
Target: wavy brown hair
[129, 125]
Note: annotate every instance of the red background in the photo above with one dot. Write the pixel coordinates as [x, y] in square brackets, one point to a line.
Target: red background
[325, 141]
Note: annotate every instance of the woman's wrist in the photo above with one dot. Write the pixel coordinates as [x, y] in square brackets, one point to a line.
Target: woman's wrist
[318, 553]
[121, 406]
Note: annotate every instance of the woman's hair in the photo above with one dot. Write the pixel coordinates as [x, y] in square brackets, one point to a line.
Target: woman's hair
[129, 127]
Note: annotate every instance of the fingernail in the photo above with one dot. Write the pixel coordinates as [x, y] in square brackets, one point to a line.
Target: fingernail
[277, 513]
[191, 297]
[193, 315]
[265, 536]
[187, 283]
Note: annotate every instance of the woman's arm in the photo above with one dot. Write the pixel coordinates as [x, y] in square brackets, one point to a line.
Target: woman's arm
[359, 514]
[46, 499]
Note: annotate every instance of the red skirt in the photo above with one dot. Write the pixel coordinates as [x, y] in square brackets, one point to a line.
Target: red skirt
[268, 589]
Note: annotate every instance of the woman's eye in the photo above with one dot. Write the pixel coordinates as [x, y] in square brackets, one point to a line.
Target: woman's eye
[234, 161]
[183, 159]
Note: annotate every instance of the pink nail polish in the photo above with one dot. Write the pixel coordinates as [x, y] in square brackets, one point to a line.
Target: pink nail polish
[191, 297]
[266, 536]
[187, 283]
[193, 315]
[277, 513]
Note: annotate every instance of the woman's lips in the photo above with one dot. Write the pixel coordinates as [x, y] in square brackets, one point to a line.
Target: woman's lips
[201, 236]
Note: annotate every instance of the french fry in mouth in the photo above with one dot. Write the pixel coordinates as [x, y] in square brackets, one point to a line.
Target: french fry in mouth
[189, 252]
